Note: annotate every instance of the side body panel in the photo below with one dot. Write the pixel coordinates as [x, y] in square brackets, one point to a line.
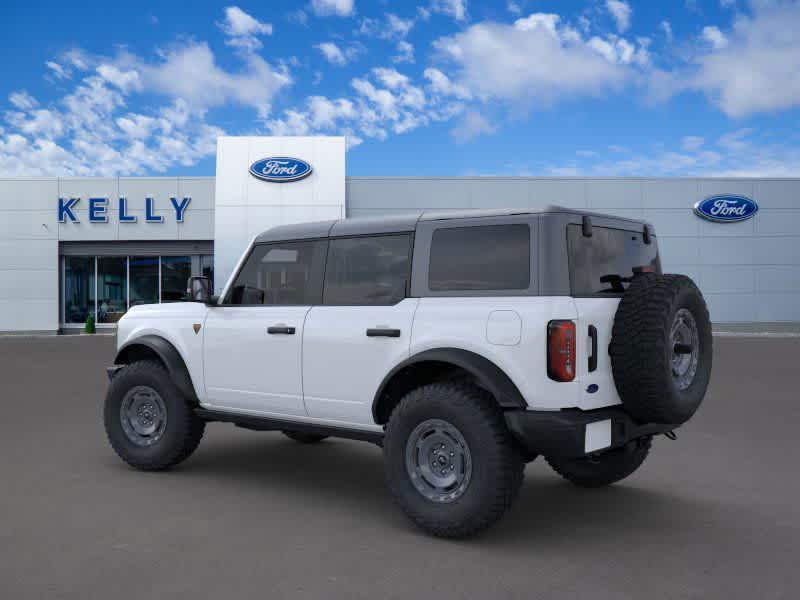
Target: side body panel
[247, 368]
[174, 322]
[488, 327]
[343, 366]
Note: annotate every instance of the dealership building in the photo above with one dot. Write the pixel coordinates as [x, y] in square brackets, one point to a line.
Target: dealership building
[71, 248]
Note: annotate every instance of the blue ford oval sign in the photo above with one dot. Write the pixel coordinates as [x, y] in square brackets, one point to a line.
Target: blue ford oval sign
[726, 209]
[280, 169]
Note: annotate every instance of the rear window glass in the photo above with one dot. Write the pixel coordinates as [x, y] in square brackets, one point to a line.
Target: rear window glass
[605, 262]
[484, 257]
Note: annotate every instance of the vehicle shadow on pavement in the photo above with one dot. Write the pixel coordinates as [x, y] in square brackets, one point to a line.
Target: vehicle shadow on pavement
[348, 476]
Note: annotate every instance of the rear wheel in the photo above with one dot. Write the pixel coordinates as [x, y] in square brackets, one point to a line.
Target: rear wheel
[603, 469]
[149, 423]
[451, 464]
[303, 437]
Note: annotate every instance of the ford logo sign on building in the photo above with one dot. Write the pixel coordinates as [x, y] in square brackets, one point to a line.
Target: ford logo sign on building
[280, 169]
[726, 209]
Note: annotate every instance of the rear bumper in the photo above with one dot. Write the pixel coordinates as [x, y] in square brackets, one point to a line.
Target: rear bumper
[573, 432]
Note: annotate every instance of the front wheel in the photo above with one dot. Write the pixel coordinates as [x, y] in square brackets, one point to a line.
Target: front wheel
[148, 422]
[603, 469]
[451, 464]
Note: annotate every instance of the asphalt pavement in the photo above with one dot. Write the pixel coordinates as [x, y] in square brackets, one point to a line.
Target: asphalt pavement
[715, 514]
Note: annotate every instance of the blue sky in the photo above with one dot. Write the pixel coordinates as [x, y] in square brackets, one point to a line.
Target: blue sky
[437, 87]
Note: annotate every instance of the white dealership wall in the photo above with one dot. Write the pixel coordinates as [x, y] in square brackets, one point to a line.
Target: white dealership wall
[30, 233]
[748, 271]
[246, 206]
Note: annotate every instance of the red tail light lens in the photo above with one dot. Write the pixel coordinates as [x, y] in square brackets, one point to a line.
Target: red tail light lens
[561, 350]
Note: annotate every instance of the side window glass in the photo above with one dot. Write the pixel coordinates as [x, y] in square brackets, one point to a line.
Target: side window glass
[284, 273]
[370, 270]
[480, 257]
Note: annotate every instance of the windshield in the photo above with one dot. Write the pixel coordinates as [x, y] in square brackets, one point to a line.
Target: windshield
[606, 262]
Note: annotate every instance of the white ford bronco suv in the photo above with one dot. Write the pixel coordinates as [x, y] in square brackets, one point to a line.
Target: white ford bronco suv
[464, 344]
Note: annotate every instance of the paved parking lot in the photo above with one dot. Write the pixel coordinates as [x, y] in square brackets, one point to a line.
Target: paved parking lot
[715, 514]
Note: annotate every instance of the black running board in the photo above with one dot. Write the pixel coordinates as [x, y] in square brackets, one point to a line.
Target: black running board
[271, 424]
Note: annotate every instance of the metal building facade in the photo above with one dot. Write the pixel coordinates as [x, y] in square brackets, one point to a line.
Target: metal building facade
[749, 271]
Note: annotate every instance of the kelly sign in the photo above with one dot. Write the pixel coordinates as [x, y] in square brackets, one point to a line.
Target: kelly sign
[98, 210]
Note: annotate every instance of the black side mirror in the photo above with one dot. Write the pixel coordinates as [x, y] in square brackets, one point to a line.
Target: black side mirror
[199, 290]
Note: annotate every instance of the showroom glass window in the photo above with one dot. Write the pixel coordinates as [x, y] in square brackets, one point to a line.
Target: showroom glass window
[143, 280]
[112, 288]
[79, 288]
[481, 257]
[175, 273]
[284, 273]
[106, 286]
[367, 270]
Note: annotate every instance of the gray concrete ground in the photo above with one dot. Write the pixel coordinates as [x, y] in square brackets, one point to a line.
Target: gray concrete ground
[715, 514]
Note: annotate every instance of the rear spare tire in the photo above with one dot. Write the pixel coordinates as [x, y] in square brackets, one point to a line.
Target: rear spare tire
[661, 348]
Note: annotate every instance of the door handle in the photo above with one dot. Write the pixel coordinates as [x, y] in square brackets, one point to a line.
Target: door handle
[280, 329]
[593, 355]
[381, 332]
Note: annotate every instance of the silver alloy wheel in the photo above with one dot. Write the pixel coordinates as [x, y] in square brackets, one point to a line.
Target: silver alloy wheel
[438, 461]
[143, 415]
[685, 348]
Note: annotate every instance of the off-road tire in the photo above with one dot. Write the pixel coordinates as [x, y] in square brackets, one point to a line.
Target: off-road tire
[641, 353]
[183, 429]
[303, 437]
[603, 469]
[497, 464]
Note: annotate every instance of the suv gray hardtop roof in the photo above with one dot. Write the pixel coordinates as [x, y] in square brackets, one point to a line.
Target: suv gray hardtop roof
[406, 222]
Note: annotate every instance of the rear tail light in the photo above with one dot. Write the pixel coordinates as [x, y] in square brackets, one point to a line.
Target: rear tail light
[561, 350]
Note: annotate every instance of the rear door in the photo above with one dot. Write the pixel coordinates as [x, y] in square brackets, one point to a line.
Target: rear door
[601, 267]
[362, 329]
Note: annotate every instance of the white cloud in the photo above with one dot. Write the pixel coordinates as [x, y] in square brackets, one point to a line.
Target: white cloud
[666, 27]
[405, 52]
[514, 8]
[398, 27]
[58, 70]
[90, 130]
[336, 55]
[758, 70]
[243, 29]
[735, 154]
[692, 143]
[441, 84]
[339, 8]
[537, 60]
[715, 37]
[453, 8]
[385, 101]
[471, 125]
[22, 100]
[621, 11]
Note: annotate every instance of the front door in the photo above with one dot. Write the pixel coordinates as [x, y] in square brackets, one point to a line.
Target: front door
[362, 329]
[253, 340]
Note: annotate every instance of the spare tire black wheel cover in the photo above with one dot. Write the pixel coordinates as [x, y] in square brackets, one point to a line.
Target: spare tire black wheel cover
[661, 348]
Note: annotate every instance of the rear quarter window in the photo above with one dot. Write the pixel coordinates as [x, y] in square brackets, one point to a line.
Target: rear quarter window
[480, 257]
[604, 263]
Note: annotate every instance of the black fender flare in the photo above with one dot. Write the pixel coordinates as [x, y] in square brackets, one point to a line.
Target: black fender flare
[488, 375]
[169, 355]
